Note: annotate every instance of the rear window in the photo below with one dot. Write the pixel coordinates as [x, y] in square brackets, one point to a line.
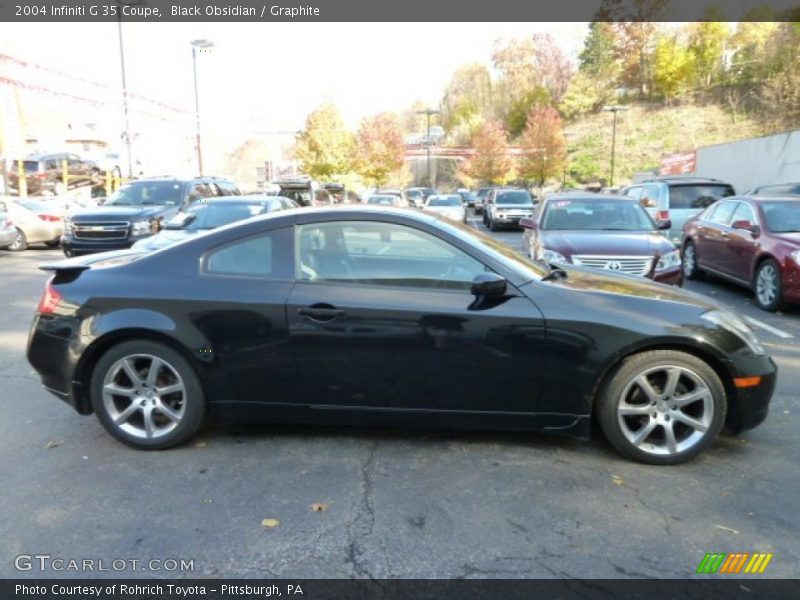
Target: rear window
[787, 189]
[697, 195]
[29, 166]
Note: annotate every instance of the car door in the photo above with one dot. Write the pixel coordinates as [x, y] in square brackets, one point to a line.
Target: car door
[712, 237]
[742, 245]
[382, 318]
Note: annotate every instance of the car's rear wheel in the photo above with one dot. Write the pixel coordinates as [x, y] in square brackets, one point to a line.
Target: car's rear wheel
[768, 286]
[20, 242]
[690, 268]
[147, 395]
[662, 407]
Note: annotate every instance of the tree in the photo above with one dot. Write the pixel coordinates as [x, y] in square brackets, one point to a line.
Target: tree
[707, 45]
[324, 147]
[491, 162]
[598, 58]
[544, 149]
[467, 100]
[673, 67]
[380, 148]
[553, 70]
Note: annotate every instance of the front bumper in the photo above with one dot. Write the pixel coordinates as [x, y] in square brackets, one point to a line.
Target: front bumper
[75, 247]
[509, 221]
[669, 277]
[749, 406]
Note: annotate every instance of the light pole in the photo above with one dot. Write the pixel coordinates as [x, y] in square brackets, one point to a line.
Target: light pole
[567, 137]
[126, 135]
[429, 112]
[202, 44]
[613, 109]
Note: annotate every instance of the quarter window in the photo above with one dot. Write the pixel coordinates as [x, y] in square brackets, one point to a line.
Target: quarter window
[723, 213]
[375, 253]
[266, 256]
[744, 212]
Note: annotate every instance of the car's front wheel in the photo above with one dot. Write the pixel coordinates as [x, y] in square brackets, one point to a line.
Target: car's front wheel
[147, 395]
[20, 242]
[768, 286]
[662, 407]
[690, 268]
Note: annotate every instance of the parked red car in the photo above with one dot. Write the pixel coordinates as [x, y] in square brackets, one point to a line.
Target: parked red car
[613, 233]
[750, 240]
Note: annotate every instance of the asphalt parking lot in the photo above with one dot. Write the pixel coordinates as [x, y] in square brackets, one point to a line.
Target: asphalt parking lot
[397, 503]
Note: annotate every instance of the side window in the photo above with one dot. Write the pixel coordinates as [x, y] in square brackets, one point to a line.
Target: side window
[744, 212]
[199, 190]
[634, 192]
[723, 213]
[375, 253]
[649, 197]
[265, 256]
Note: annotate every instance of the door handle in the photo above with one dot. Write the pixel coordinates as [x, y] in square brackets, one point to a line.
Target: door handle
[321, 313]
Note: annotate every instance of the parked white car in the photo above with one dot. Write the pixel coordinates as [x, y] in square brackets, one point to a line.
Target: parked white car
[447, 205]
[35, 222]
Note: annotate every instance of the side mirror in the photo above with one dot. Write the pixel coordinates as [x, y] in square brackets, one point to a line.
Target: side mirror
[663, 224]
[746, 226]
[489, 284]
[528, 223]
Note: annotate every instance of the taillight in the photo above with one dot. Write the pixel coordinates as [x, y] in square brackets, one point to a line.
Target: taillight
[49, 301]
[662, 215]
[50, 218]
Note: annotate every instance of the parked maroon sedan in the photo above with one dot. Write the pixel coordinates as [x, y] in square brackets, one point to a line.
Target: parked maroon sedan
[606, 232]
[750, 240]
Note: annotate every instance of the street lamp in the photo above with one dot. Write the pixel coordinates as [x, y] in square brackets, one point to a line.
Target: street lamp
[613, 109]
[203, 45]
[126, 135]
[428, 112]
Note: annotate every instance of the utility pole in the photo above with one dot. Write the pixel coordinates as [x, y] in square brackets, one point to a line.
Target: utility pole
[429, 112]
[613, 109]
[203, 45]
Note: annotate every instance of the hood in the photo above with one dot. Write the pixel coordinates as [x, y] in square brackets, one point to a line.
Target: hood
[102, 213]
[164, 238]
[596, 280]
[526, 206]
[606, 243]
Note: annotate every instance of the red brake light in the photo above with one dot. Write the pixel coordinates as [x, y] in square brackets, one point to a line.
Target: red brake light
[50, 218]
[662, 215]
[49, 301]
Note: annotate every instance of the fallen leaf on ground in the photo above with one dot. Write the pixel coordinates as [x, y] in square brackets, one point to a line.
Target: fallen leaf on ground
[270, 522]
[727, 529]
[53, 444]
[617, 480]
[319, 506]
[201, 444]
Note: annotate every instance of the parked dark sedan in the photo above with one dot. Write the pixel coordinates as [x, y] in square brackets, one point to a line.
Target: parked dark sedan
[603, 232]
[752, 241]
[352, 315]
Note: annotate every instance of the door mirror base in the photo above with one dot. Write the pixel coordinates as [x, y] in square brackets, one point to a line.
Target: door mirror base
[489, 285]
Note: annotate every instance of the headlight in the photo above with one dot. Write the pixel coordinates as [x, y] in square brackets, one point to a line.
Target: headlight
[669, 260]
[550, 256]
[68, 230]
[142, 227]
[728, 320]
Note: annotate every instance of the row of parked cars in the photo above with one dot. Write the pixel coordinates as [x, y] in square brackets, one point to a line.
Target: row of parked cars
[675, 228]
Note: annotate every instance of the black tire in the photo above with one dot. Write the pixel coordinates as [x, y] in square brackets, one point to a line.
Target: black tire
[492, 225]
[656, 418]
[20, 243]
[190, 403]
[768, 270]
[689, 262]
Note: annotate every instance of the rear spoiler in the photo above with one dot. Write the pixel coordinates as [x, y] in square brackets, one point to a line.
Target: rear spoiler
[78, 264]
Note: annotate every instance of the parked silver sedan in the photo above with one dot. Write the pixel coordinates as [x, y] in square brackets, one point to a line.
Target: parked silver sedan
[8, 232]
[34, 222]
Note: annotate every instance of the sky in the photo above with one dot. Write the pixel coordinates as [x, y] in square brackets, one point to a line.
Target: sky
[269, 76]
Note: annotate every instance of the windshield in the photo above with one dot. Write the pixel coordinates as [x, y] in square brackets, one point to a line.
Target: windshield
[35, 205]
[520, 197]
[413, 193]
[382, 200]
[138, 193]
[782, 216]
[210, 216]
[697, 196]
[596, 215]
[444, 201]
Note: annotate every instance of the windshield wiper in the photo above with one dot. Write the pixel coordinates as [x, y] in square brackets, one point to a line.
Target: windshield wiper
[554, 272]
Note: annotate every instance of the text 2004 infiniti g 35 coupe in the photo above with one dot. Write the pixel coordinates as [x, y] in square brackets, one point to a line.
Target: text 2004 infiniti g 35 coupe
[351, 315]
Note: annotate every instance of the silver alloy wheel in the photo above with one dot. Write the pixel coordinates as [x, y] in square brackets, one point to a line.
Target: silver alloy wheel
[689, 259]
[665, 410]
[144, 396]
[767, 285]
[19, 241]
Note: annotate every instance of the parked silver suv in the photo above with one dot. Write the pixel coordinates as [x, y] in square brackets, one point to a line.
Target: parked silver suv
[677, 199]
